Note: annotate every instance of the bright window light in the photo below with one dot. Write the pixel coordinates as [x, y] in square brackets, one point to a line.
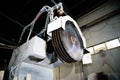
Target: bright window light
[99, 47]
[90, 50]
[1, 74]
[112, 44]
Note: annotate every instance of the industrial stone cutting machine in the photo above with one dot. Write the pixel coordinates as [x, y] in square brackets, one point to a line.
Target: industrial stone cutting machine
[61, 41]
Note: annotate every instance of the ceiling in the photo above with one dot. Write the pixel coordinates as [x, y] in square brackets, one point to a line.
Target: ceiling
[15, 14]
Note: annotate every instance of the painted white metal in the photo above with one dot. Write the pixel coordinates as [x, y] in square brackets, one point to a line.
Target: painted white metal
[46, 62]
[87, 59]
[36, 72]
[60, 23]
[35, 47]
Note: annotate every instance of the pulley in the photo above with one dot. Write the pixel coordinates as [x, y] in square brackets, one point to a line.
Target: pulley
[68, 42]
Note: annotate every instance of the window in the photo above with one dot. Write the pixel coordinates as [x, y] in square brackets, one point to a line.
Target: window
[1, 74]
[90, 50]
[112, 44]
[99, 47]
[104, 46]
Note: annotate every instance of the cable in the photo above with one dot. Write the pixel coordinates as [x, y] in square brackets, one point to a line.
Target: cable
[31, 25]
[31, 28]
[25, 27]
[53, 2]
[7, 41]
[5, 46]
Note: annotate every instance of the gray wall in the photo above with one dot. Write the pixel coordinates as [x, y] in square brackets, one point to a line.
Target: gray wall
[110, 63]
[103, 31]
[99, 12]
[101, 24]
[69, 72]
[106, 61]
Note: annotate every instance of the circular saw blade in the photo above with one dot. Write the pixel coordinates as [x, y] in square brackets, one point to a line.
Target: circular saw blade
[68, 43]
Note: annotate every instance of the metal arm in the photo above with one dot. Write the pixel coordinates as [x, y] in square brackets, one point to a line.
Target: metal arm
[50, 15]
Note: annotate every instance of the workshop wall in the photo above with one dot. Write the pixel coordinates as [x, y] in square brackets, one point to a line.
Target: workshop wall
[97, 28]
[103, 31]
[69, 72]
[105, 61]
